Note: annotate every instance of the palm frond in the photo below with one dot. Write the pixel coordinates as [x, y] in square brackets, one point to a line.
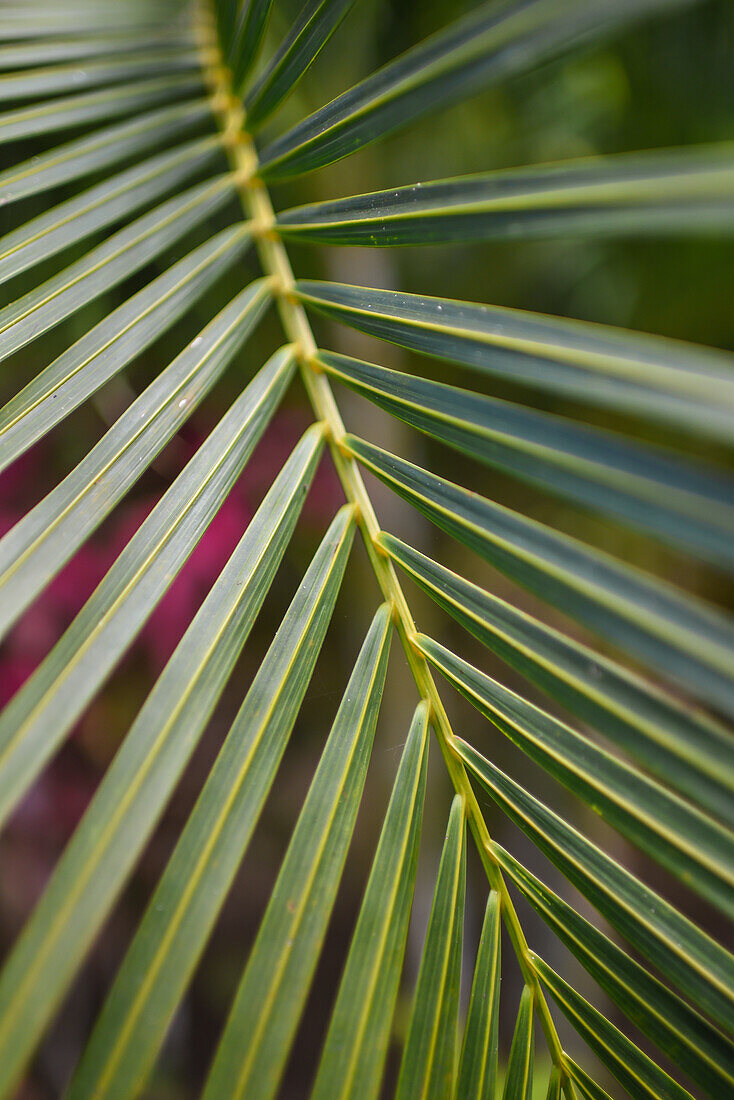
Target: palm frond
[140, 225]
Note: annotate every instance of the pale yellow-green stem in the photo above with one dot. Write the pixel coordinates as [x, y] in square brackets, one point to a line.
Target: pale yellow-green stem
[258, 209]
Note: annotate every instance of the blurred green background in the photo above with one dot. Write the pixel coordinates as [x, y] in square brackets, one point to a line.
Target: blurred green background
[669, 82]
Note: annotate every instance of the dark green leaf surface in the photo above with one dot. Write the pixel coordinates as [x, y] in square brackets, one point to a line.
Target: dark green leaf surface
[48, 704]
[633, 1069]
[137, 786]
[64, 17]
[81, 110]
[519, 1079]
[50, 51]
[684, 504]
[587, 1087]
[54, 79]
[690, 959]
[682, 637]
[257, 1037]
[36, 548]
[684, 748]
[683, 839]
[180, 915]
[109, 263]
[478, 1067]
[307, 37]
[489, 44]
[686, 1037]
[554, 1085]
[103, 205]
[428, 1065]
[662, 380]
[101, 148]
[108, 347]
[356, 1045]
[247, 38]
[682, 190]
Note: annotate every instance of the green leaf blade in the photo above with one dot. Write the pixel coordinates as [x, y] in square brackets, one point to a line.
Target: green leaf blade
[428, 1064]
[519, 1079]
[486, 46]
[684, 638]
[114, 342]
[679, 837]
[307, 37]
[354, 1053]
[248, 38]
[102, 205]
[101, 149]
[684, 748]
[683, 191]
[153, 976]
[106, 265]
[37, 547]
[478, 1067]
[692, 961]
[82, 110]
[52, 79]
[633, 1069]
[686, 1037]
[144, 772]
[643, 376]
[252, 1052]
[648, 489]
[44, 709]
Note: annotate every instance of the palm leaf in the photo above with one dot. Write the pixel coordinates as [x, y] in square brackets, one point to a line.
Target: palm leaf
[640, 375]
[519, 1080]
[356, 1043]
[479, 1054]
[133, 1022]
[428, 1064]
[139, 227]
[136, 787]
[271, 994]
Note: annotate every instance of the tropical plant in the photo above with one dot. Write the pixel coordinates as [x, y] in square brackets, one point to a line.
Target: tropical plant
[635, 729]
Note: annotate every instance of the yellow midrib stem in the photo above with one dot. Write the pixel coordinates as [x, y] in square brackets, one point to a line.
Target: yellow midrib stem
[258, 208]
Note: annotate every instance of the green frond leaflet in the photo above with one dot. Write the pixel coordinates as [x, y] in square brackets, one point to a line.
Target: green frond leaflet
[686, 1037]
[134, 1019]
[653, 377]
[251, 1056]
[246, 39]
[102, 205]
[82, 110]
[428, 1065]
[309, 34]
[683, 747]
[685, 639]
[137, 786]
[114, 342]
[356, 1044]
[48, 704]
[633, 1069]
[519, 1079]
[484, 47]
[102, 148]
[685, 190]
[52, 79]
[678, 836]
[36, 548]
[107, 264]
[693, 962]
[647, 488]
[478, 1066]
